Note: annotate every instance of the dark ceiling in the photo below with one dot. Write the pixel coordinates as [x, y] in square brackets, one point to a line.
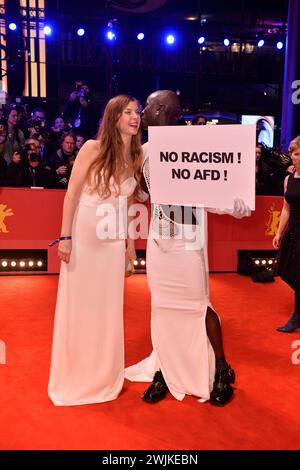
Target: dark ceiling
[268, 11]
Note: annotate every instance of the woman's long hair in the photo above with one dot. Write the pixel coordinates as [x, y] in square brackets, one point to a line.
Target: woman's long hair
[110, 162]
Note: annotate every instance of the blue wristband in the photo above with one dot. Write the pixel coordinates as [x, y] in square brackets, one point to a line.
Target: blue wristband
[58, 240]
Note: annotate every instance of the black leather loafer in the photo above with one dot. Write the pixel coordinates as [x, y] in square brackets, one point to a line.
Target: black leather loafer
[157, 390]
[222, 391]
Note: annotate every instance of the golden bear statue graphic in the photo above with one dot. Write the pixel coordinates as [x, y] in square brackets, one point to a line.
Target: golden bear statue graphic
[273, 221]
[4, 212]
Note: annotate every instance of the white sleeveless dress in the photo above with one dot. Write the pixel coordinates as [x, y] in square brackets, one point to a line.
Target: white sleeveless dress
[179, 286]
[87, 364]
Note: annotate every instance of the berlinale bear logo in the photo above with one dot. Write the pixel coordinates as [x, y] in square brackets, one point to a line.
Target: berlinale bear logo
[4, 212]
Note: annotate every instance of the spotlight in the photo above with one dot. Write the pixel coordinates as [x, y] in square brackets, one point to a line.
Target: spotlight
[12, 26]
[20, 260]
[111, 36]
[260, 43]
[140, 36]
[47, 30]
[140, 263]
[80, 32]
[279, 45]
[201, 40]
[170, 39]
[226, 42]
[258, 264]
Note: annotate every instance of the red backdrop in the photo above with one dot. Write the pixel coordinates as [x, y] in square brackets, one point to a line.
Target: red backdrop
[31, 218]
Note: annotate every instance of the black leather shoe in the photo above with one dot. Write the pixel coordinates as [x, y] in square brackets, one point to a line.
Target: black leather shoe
[222, 391]
[292, 324]
[157, 390]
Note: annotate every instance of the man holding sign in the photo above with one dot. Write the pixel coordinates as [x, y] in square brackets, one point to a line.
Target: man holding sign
[187, 356]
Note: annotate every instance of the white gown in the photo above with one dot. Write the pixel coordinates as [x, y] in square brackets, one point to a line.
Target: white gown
[87, 364]
[178, 282]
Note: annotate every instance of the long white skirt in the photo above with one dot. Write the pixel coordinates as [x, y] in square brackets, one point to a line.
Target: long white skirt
[177, 280]
[87, 364]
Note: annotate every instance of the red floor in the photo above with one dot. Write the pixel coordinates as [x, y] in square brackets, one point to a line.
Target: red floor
[263, 415]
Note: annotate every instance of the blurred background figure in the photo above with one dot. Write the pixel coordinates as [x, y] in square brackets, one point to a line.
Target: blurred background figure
[199, 120]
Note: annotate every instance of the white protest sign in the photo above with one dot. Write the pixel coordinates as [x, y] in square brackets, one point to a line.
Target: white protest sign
[202, 165]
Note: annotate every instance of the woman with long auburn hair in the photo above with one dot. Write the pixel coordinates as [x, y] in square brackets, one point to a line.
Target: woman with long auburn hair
[87, 364]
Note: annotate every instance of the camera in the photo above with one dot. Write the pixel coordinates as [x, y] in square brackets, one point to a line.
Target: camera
[29, 152]
[275, 158]
[33, 157]
[37, 124]
[85, 95]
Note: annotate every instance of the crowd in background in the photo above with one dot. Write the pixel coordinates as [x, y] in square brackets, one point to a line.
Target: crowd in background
[37, 153]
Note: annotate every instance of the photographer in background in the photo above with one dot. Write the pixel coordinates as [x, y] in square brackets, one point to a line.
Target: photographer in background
[37, 123]
[26, 170]
[3, 163]
[271, 168]
[80, 111]
[57, 130]
[15, 138]
[62, 160]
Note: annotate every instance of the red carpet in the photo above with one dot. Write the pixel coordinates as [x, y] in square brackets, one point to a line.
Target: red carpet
[263, 415]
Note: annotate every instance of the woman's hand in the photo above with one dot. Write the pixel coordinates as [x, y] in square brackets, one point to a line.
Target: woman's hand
[64, 250]
[130, 252]
[276, 241]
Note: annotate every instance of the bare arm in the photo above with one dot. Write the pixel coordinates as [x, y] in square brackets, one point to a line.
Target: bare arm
[284, 218]
[87, 154]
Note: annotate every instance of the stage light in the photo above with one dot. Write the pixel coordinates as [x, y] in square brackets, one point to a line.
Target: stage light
[111, 36]
[226, 42]
[23, 260]
[135, 262]
[143, 262]
[80, 32]
[12, 26]
[170, 39]
[259, 264]
[279, 45]
[47, 30]
[260, 43]
[201, 40]
[140, 36]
